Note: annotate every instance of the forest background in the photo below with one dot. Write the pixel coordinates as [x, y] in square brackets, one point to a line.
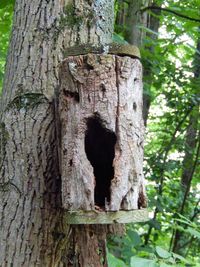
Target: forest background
[170, 50]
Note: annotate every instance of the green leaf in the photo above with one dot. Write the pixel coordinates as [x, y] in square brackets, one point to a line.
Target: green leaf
[135, 238]
[4, 3]
[114, 262]
[193, 232]
[119, 39]
[140, 262]
[155, 224]
[162, 252]
[181, 258]
[162, 264]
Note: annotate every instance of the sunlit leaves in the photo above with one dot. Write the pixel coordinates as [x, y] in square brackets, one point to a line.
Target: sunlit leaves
[114, 261]
[162, 253]
[4, 4]
[6, 13]
[140, 262]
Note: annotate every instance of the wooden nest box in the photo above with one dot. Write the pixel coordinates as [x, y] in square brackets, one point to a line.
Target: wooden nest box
[101, 135]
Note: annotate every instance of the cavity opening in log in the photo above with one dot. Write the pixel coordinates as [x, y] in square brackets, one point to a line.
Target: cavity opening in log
[102, 132]
[100, 150]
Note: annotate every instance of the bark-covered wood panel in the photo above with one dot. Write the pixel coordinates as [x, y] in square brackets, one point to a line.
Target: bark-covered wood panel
[100, 99]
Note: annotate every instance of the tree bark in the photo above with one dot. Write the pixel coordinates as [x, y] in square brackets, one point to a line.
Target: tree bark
[134, 20]
[132, 17]
[33, 230]
[153, 23]
[134, 35]
[101, 106]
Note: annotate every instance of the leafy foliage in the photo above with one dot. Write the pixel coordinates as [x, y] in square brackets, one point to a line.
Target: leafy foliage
[130, 250]
[171, 81]
[6, 13]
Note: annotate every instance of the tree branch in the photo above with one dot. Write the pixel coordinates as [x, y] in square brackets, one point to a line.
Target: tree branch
[170, 11]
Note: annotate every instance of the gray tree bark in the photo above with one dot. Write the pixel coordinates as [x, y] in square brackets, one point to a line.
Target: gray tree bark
[153, 23]
[133, 19]
[33, 231]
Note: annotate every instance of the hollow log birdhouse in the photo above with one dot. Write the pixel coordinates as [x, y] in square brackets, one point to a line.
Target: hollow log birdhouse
[101, 135]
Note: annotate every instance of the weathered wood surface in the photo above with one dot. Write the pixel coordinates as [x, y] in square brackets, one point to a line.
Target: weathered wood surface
[112, 86]
[95, 217]
[112, 48]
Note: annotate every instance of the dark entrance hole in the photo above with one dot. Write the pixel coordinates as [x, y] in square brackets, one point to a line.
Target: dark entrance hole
[100, 150]
[74, 95]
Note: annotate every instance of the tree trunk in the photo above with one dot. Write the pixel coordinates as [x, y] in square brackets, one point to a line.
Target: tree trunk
[132, 18]
[34, 231]
[153, 23]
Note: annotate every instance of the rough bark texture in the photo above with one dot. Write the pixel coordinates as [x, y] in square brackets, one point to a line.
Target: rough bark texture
[134, 20]
[129, 15]
[110, 86]
[33, 231]
[29, 206]
[89, 247]
[153, 23]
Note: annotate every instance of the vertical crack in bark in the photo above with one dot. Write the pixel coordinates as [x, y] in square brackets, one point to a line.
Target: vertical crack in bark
[118, 98]
[9, 229]
[100, 150]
